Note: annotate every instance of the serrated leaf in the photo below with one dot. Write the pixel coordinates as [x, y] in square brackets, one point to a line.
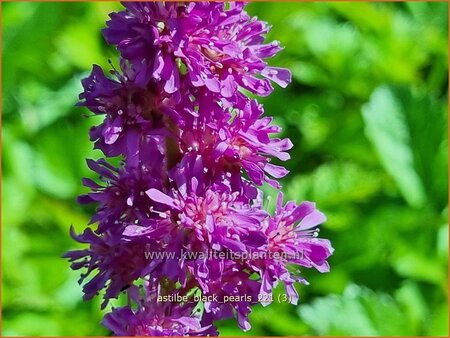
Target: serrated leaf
[388, 130]
[358, 312]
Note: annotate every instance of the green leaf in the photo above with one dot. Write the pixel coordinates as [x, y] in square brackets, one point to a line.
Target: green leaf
[388, 130]
[413, 304]
[408, 262]
[358, 312]
[51, 105]
[442, 242]
[439, 322]
[336, 183]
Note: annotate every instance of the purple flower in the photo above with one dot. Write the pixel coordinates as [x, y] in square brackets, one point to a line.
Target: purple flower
[182, 214]
[240, 139]
[219, 48]
[132, 112]
[292, 235]
[123, 198]
[147, 322]
[246, 143]
[215, 220]
[228, 289]
[117, 263]
[156, 317]
[222, 222]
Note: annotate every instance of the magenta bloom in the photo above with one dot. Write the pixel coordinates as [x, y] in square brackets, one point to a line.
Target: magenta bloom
[179, 224]
[292, 234]
[133, 111]
[231, 142]
[115, 263]
[156, 317]
[218, 48]
[147, 321]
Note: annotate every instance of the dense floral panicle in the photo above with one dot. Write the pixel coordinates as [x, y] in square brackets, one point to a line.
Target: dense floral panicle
[221, 49]
[117, 263]
[239, 140]
[122, 198]
[132, 111]
[145, 322]
[216, 219]
[119, 259]
[182, 214]
[247, 143]
[229, 286]
[156, 318]
[292, 234]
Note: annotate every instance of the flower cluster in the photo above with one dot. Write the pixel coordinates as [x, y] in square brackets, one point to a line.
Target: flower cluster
[195, 151]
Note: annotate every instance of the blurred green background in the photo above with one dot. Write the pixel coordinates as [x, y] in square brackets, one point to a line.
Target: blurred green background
[367, 112]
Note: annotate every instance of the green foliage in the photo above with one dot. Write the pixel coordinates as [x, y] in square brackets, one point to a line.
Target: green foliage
[367, 113]
[372, 314]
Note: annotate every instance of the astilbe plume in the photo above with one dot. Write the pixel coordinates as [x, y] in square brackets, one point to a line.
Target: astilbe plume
[195, 151]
